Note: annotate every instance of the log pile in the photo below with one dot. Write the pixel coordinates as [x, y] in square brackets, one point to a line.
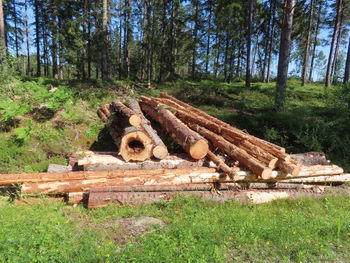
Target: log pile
[216, 156]
[258, 156]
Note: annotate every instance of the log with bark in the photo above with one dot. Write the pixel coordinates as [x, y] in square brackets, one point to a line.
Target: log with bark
[160, 151]
[232, 131]
[126, 113]
[99, 161]
[124, 127]
[235, 152]
[268, 154]
[194, 144]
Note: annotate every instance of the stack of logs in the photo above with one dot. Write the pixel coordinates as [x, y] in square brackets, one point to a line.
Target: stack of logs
[199, 134]
[219, 156]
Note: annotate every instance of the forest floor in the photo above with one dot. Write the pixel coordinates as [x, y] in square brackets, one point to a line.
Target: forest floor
[42, 121]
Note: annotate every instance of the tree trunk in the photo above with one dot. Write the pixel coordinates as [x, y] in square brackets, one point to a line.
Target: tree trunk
[127, 35]
[208, 38]
[85, 40]
[54, 44]
[15, 28]
[307, 45]
[2, 34]
[194, 144]
[104, 68]
[27, 36]
[315, 40]
[37, 38]
[336, 29]
[284, 54]
[271, 34]
[127, 114]
[347, 65]
[339, 37]
[249, 42]
[195, 40]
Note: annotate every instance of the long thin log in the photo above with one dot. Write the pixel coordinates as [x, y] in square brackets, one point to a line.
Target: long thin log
[230, 171]
[10, 179]
[219, 122]
[126, 113]
[228, 132]
[242, 156]
[165, 176]
[194, 144]
[160, 151]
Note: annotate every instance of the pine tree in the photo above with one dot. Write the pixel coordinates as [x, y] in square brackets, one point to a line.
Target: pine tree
[284, 53]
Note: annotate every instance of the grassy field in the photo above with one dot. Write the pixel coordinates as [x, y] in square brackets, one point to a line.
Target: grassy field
[306, 230]
[40, 124]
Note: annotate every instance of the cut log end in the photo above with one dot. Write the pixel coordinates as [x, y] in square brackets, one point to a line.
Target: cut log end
[296, 170]
[266, 174]
[199, 150]
[273, 163]
[135, 120]
[160, 151]
[136, 146]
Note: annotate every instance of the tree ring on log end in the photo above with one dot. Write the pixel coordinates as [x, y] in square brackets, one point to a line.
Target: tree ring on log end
[266, 174]
[135, 120]
[160, 151]
[199, 150]
[136, 146]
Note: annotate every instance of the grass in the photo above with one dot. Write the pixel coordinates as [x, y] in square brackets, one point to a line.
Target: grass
[39, 127]
[305, 230]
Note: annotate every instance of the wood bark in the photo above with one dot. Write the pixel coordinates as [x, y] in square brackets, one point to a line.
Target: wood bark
[336, 29]
[222, 166]
[133, 143]
[315, 44]
[307, 45]
[83, 181]
[284, 53]
[27, 35]
[241, 142]
[104, 68]
[2, 33]
[209, 121]
[126, 113]
[160, 151]
[347, 65]
[230, 149]
[249, 41]
[194, 144]
[37, 38]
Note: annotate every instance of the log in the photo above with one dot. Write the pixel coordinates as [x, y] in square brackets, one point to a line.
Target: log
[102, 116]
[90, 158]
[132, 141]
[230, 149]
[194, 144]
[230, 171]
[228, 132]
[126, 113]
[13, 179]
[272, 148]
[82, 182]
[160, 151]
[340, 178]
[110, 162]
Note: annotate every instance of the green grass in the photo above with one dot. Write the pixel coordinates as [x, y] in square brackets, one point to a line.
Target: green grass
[38, 126]
[306, 230]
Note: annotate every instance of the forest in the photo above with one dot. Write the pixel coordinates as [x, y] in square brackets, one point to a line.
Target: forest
[276, 70]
